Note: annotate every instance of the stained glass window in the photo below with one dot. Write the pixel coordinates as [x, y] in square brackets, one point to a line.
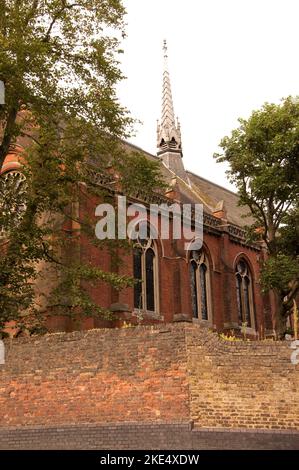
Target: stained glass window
[138, 276]
[244, 294]
[193, 268]
[203, 291]
[247, 301]
[144, 260]
[150, 284]
[199, 281]
[239, 297]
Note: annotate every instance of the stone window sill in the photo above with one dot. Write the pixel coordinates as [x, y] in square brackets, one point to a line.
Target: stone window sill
[199, 321]
[235, 326]
[147, 314]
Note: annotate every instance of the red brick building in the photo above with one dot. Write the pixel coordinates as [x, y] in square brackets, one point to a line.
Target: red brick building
[217, 285]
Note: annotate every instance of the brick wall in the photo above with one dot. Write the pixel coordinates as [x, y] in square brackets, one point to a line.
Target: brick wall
[241, 384]
[164, 378]
[147, 436]
[95, 376]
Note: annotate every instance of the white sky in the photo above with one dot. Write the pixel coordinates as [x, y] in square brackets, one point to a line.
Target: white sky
[226, 58]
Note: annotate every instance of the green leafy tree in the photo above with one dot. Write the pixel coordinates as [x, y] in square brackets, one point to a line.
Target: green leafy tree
[263, 154]
[58, 62]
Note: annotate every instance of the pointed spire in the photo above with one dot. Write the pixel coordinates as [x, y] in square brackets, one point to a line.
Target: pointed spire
[168, 130]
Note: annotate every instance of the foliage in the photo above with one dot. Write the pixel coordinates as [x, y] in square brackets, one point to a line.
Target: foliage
[58, 63]
[263, 154]
[244, 330]
[231, 338]
[279, 272]
[140, 175]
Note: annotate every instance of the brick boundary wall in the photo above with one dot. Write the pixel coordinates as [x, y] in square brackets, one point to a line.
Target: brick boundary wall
[96, 376]
[149, 383]
[240, 384]
[143, 436]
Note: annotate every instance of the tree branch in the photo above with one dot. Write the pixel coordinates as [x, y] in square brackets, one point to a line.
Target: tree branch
[283, 209]
[50, 257]
[24, 134]
[56, 17]
[292, 294]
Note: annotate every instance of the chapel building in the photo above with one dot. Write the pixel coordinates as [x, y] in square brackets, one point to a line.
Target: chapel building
[217, 285]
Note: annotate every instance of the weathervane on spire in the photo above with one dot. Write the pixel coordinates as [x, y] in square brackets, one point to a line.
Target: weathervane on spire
[165, 52]
[165, 48]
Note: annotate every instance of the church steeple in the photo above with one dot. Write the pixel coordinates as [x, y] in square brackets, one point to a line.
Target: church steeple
[168, 131]
[169, 141]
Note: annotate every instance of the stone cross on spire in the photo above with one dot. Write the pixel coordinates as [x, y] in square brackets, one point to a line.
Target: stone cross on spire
[168, 131]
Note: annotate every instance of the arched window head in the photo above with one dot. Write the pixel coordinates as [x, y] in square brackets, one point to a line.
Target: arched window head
[145, 271]
[244, 294]
[13, 189]
[200, 285]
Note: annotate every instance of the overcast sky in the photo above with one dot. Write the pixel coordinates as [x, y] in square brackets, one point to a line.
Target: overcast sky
[226, 58]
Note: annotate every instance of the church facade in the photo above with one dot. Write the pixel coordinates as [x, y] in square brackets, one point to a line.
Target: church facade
[217, 285]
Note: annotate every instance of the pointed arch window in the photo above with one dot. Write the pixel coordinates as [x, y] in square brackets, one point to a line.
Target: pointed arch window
[244, 294]
[145, 271]
[200, 285]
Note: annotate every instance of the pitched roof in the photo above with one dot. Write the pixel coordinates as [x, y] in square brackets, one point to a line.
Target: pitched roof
[238, 215]
[202, 191]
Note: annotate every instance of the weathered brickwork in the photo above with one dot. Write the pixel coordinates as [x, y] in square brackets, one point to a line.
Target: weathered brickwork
[94, 377]
[241, 384]
[163, 386]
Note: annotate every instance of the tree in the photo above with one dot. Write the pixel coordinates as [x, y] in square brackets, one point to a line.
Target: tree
[59, 67]
[263, 154]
